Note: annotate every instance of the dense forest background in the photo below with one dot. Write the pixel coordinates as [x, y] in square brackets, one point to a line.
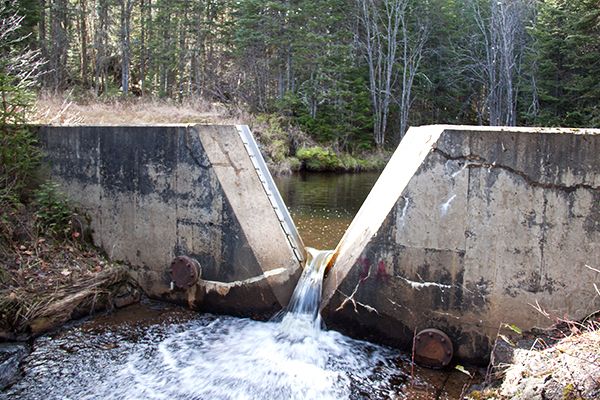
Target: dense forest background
[352, 74]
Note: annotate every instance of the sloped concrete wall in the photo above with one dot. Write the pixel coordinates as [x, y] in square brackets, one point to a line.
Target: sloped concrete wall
[469, 228]
[156, 192]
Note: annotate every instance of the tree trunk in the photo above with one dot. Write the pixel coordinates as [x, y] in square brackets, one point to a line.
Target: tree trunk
[126, 9]
[84, 38]
[43, 41]
[381, 23]
[143, 22]
[182, 56]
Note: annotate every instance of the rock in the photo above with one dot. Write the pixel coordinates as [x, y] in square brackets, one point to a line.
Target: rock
[11, 355]
[126, 296]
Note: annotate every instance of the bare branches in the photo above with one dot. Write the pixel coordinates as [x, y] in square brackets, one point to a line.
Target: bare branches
[496, 60]
[389, 45]
[412, 55]
[20, 67]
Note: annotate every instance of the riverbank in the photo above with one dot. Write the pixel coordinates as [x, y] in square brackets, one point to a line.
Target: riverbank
[49, 270]
[285, 147]
[561, 363]
[45, 282]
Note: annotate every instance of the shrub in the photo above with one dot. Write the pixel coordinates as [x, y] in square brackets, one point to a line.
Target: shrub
[317, 158]
[19, 161]
[53, 212]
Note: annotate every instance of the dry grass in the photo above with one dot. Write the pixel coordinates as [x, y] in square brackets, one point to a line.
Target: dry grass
[28, 313]
[570, 369]
[46, 280]
[63, 110]
[274, 135]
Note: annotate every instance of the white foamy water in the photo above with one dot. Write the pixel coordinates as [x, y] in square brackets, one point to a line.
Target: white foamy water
[243, 359]
[216, 358]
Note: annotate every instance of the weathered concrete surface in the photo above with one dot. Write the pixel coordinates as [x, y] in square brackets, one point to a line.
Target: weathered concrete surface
[468, 228]
[156, 192]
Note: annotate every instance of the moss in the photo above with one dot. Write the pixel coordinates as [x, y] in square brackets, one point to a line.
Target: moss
[570, 393]
[321, 159]
[487, 394]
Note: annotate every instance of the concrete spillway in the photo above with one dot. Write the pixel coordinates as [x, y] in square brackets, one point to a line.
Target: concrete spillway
[465, 230]
[157, 192]
[469, 228]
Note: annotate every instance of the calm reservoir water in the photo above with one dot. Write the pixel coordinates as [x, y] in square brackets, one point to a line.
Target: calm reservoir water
[157, 351]
[323, 205]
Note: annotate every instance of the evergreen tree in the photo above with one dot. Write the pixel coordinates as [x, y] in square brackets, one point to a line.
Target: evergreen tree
[568, 34]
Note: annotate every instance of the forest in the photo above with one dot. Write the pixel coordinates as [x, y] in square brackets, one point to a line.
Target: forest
[351, 74]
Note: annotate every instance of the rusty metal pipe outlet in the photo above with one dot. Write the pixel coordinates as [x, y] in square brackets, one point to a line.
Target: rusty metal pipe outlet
[433, 348]
[185, 272]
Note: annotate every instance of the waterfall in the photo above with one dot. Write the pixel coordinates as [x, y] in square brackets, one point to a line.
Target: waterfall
[301, 317]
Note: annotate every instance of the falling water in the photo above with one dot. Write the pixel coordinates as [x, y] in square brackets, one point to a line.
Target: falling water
[302, 316]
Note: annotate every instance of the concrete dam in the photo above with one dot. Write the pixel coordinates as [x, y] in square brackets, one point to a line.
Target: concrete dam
[466, 229]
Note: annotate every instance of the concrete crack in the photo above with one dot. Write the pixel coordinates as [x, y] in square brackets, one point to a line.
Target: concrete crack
[421, 285]
[400, 306]
[355, 303]
[351, 297]
[475, 161]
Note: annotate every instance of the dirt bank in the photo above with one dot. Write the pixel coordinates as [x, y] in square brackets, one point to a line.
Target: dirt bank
[47, 280]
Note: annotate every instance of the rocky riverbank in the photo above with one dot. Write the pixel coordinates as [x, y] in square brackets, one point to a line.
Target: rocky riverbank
[562, 363]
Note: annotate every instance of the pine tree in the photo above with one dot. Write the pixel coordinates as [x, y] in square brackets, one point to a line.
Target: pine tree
[568, 33]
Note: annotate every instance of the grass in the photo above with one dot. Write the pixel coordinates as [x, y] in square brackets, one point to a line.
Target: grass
[63, 110]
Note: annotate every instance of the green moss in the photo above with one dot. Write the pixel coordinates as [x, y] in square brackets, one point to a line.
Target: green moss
[487, 394]
[570, 393]
[321, 159]
[318, 159]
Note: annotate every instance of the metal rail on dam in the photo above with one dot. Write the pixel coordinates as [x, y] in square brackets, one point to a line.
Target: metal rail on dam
[467, 228]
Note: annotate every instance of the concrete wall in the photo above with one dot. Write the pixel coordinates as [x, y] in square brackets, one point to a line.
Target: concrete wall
[156, 192]
[468, 228]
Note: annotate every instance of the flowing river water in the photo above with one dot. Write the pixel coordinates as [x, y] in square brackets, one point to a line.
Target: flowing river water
[157, 351]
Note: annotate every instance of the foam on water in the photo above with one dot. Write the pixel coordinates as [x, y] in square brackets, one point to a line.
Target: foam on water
[217, 358]
[207, 358]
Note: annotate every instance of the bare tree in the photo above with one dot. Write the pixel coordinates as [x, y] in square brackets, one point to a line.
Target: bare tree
[20, 66]
[498, 67]
[389, 44]
[380, 41]
[126, 10]
[412, 53]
